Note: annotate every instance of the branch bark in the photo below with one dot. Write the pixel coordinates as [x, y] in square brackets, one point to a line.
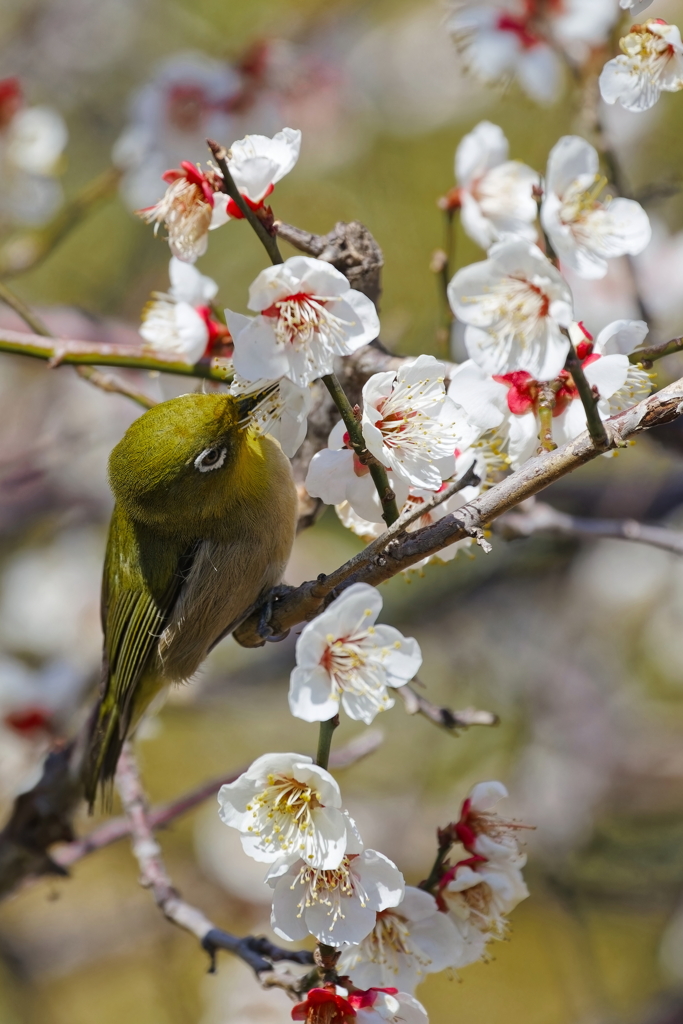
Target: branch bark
[377, 564]
[452, 721]
[542, 518]
[258, 953]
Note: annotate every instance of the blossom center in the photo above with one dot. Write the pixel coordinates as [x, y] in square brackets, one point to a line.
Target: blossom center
[329, 888]
[282, 813]
[390, 940]
[407, 417]
[302, 318]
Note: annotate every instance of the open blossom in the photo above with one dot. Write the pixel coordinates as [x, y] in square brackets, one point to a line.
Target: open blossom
[337, 475]
[192, 206]
[308, 314]
[514, 305]
[257, 163]
[407, 943]
[336, 906]
[281, 409]
[285, 806]
[651, 62]
[181, 321]
[494, 194]
[499, 41]
[343, 657]
[32, 140]
[409, 423]
[586, 230]
[479, 897]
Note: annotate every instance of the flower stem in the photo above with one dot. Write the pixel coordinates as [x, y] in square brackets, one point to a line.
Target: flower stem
[327, 728]
[377, 471]
[230, 188]
[546, 404]
[589, 400]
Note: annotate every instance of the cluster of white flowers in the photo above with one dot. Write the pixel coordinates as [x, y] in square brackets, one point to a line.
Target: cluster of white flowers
[32, 140]
[325, 883]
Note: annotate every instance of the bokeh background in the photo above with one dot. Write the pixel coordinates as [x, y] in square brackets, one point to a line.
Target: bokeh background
[577, 647]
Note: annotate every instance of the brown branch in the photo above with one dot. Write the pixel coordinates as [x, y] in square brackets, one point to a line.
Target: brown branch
[647, 356]
[104, 381]
[416, 704]
[258, 953]
[377, 564]
[542, 518]
[87, 353]
[348, 247]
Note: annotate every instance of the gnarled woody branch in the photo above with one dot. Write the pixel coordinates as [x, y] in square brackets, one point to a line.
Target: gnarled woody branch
[377, 564]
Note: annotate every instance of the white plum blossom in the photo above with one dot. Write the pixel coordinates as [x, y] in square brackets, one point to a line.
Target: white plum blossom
[336, 475]
[514, 306]
[190, 97]
[407, 943]
[499, 41]
[409, 424]
[651, 62]
[495, 194]
[577, 26]
[32, 140]
[376, 1005]
[343, 657]
[287, 807]
[510, 401]
[180, 321]
[308, 314]
[585, 230]
[192, 205]
[281, 409]
[257, 163]
[337, 906]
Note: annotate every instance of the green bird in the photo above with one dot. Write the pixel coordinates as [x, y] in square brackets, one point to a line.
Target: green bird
[202, 528]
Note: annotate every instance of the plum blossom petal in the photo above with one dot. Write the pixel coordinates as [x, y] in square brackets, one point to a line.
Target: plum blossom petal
[343, 657]
[285, 806]
[181, 321]
[307, 315]
[585, 230]
[186, 210]
[336, 906]
[409, 423]
[257, 163]
[494, 193]
[281, 409]
[376, 1005]
[651, 62]
[514, 304]
[634, 6]
[407, 943]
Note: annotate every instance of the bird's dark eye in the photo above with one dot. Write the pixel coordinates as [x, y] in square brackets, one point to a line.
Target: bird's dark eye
[210, 458]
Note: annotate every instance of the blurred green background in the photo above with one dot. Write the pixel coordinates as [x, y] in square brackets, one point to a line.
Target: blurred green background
[576, 647]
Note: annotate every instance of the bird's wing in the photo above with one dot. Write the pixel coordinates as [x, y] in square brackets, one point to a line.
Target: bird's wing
[143, 577]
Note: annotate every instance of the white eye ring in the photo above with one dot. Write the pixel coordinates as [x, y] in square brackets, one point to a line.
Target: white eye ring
[199, 461]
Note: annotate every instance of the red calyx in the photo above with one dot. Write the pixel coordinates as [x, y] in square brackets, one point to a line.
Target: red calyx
[219, 334]
[522, 390]
[235, 212]
[324, 1006]
[11, 99]
[194, 176]
[359, 999]
[28, 720]
[451, 201]
[520, 27]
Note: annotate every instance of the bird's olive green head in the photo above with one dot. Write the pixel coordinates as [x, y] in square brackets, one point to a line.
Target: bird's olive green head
[184, 462]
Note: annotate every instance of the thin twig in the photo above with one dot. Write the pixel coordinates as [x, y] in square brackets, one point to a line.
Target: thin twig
[416, 704]
[542, 518]
[104, 381]
[377, 471]
[306, 601]
[647, 356]
[589, 400]
[258, 953]
[230, 188]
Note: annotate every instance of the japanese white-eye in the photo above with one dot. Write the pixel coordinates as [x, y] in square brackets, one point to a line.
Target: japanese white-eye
[203, 525]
